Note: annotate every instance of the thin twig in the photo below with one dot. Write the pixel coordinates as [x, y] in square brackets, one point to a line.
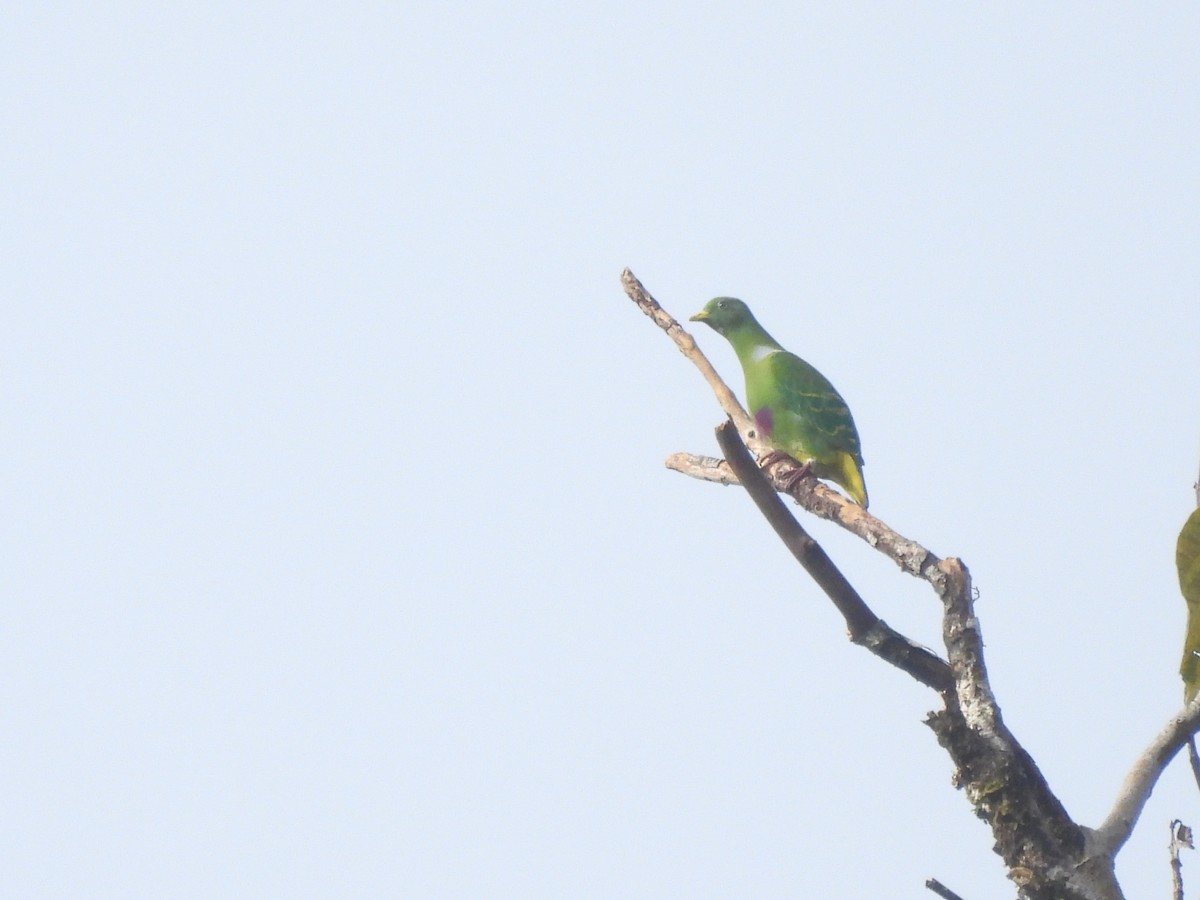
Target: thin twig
[941, 890]
[1194, 759]
[864, 626]
[687, 346]
[1181, 837]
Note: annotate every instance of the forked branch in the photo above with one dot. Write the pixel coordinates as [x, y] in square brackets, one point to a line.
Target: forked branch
[863, 625]
[1042, 846]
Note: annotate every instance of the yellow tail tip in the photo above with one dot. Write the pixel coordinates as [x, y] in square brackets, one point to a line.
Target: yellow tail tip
[852, 480]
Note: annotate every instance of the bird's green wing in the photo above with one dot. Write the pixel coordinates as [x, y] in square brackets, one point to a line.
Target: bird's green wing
[807, 393]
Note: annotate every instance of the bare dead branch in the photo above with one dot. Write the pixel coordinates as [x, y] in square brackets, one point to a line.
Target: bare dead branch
[865, 628]
[825, 503]
[1042, 847]
[1135, 790]
[705, 468]
[687, 346]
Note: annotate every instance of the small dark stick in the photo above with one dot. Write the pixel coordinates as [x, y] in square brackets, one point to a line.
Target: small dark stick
[1181, 836]
[1194, 759]
[941, 890]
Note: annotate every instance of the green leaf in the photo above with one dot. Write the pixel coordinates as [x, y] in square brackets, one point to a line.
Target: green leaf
[1187, 561]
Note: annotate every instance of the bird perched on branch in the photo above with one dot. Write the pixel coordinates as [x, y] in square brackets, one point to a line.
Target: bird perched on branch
[796, 409]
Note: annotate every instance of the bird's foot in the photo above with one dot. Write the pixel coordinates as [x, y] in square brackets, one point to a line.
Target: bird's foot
[773, 457]
[794, 477]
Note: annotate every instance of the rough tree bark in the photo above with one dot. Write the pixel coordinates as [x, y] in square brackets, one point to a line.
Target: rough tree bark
[1049, 856]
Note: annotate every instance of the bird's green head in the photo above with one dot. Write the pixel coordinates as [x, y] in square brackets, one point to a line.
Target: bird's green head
[724, 314]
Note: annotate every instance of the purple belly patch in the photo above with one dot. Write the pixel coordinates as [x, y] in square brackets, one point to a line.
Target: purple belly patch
[764, 419]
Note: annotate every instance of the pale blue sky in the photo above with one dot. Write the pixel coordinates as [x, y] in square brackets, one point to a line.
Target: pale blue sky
[340, 556]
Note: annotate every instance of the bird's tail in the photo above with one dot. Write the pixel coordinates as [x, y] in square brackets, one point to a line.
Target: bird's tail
[852, 479]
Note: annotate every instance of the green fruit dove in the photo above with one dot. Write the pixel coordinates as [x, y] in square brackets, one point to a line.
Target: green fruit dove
[796, 409]
[1187, 561]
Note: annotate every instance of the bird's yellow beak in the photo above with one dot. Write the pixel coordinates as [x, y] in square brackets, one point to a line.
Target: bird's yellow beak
[699, 317]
